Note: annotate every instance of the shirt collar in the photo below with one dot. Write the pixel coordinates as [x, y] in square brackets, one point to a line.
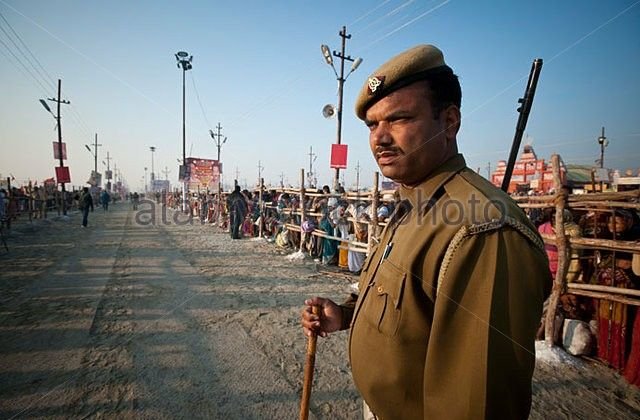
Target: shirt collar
[423, 193]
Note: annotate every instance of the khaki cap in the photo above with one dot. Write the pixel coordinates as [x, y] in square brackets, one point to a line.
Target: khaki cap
[412, 65]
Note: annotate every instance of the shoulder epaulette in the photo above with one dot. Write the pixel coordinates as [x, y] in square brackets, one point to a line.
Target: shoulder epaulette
[469, 230]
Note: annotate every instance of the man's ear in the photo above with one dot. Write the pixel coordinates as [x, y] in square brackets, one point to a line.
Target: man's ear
[451, 116]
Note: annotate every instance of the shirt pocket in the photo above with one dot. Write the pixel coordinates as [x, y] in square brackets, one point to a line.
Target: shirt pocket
[384, 309]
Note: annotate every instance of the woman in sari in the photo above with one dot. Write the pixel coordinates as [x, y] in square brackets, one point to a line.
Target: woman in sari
[613, 317]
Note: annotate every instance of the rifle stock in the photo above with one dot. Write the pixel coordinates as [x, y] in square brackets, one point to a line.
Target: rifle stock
[524, 110]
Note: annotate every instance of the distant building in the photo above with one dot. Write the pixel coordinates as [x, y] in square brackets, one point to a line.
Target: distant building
[627, 181]
[529, 173]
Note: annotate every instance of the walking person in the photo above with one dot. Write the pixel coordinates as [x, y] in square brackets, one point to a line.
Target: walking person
[86, 203]
[450, 299]
[135, 199]
[105, 198]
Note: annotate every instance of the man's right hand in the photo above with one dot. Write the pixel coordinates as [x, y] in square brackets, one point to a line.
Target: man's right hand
[328, 320]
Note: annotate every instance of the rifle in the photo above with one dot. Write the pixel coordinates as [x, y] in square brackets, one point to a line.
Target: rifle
[524, 110]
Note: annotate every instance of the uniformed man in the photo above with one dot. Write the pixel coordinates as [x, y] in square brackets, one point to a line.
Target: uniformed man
[450, 299]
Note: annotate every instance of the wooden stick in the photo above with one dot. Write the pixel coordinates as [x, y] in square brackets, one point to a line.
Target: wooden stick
[303, 215]
[373, 231]
[605, 296]
[563, 253]
[308, 371]
[606, 289]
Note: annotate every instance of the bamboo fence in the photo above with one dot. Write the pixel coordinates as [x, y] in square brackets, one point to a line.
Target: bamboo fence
[605, 202]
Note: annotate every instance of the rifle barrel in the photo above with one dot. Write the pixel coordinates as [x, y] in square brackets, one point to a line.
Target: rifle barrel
[524, 110]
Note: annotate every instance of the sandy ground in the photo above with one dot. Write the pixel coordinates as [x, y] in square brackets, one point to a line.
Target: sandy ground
[133, 319]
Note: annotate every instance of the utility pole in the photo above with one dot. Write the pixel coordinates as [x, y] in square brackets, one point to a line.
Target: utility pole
[108, 173]
[166, 172]
[489, 171]
[153, 175]
[95, 154]
[310, 175]
[281, 179]
[341, 79]
[260, 168]
[358, 177]
[217, 138]
[108, 159]
[58, 102]
[237, 173]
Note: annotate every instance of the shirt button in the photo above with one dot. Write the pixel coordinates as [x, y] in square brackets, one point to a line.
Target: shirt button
[380, 289]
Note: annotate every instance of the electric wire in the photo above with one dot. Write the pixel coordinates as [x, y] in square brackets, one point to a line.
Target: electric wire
[40, 69]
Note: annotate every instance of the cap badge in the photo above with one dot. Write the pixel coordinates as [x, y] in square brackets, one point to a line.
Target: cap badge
[374, 83]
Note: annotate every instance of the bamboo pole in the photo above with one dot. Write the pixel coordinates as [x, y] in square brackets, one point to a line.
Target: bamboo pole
[590, 243]
[323, 234]
[605, 289]
[373, 226]
[563, 254]
[308, 369]
[605, 296]
[303, 215]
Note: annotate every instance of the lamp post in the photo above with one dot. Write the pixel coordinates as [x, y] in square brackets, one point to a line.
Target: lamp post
[145, 179]
[153, 177]
[341, 79]
[184, 61]
[59, 101]
[94, 153]
[603, 142]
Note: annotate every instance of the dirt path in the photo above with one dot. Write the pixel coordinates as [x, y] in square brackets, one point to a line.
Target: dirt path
[128, 319]
[159, 321]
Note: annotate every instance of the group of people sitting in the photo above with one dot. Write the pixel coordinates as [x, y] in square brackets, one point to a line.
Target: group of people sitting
[614, 326]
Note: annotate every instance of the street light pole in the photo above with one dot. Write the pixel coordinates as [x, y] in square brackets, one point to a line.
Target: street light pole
[602, 140]
[216, 138]
[59, 101]
[341, 79]
[64, 193]
[153, 177]
[184, 62]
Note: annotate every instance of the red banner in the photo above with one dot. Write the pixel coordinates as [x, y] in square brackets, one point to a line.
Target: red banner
[339, 156]
[62, 174]
[56, 150]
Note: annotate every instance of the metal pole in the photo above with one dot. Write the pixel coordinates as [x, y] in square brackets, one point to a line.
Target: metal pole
[601, 140]
[219, 144]
[95, 155]
[260, 206]
[343, 35]
[184, 141]
[64, 205]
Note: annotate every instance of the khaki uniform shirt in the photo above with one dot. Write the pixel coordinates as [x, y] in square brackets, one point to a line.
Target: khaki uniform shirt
[449, 304]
